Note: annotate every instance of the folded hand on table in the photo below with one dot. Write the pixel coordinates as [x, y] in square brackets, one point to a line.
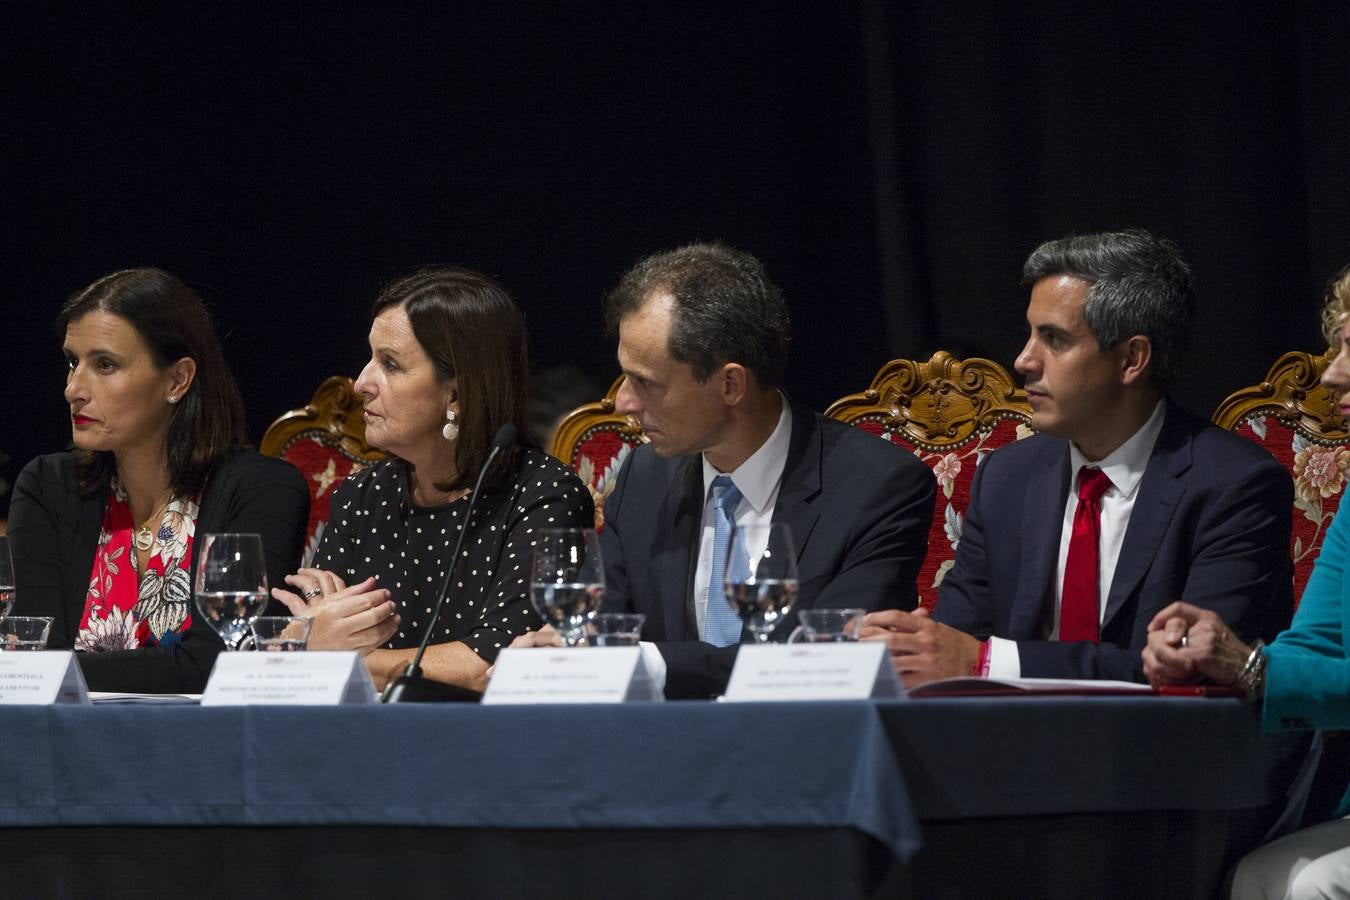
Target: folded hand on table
[921, 649]
[357, 617]
[1186, 643]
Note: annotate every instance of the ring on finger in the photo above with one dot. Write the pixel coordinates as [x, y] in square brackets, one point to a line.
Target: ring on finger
[1185, 640]
[313, 592]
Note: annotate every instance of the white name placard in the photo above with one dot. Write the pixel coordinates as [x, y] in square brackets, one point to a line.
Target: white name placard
[571, 675]
[41, 677]
[310, 678]
[842, 671]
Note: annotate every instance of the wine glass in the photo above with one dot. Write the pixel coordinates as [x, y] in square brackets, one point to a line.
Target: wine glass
[567, 580]
[761, 576]
[231, 584]
[6, 578]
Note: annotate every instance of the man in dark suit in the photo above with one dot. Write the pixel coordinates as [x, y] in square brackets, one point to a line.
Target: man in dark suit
[703, 339]
[1121, 504]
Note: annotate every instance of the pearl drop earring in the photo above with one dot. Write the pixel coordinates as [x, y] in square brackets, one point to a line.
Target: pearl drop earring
[451, 429]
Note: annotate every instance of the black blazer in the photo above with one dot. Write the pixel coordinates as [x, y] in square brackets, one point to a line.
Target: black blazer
[54, 532]
[859, 508]
[1210, 526]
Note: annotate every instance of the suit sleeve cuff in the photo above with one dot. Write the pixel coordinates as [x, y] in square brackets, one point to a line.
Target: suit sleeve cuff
[1004, 659]
[655, 663]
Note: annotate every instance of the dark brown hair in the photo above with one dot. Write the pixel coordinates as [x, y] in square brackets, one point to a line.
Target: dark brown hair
[473, 331]
[207, 424]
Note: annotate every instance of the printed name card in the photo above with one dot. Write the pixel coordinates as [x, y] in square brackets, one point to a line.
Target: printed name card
[311, 678]
[571, 675]
[842, 671]
[41, 677]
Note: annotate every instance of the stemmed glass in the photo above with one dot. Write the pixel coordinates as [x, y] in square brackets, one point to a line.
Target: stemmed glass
[567, 580]
[6, 578]
[231, 584]
[761, 576]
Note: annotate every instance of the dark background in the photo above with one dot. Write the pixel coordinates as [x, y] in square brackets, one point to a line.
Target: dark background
[892, 164]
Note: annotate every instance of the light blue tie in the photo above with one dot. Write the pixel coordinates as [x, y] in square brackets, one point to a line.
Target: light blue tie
[721, 625]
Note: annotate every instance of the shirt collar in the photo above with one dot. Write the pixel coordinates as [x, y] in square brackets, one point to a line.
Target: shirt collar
[757, 478]
[1125, 465]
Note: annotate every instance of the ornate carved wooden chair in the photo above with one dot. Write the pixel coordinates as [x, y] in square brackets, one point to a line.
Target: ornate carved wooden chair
[326, 440]
[1295, 418]
[950, 413]
[595, 440]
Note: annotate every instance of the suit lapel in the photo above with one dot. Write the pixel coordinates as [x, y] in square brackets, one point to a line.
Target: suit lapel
[88, 520]
[801, 482]
[681, 512]
[1159, 491]
[1042, 521]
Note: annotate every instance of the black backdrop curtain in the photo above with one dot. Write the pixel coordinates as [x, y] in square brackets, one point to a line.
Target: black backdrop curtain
[892, 163]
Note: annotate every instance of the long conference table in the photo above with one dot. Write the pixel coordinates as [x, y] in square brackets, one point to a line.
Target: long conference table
[941, 797]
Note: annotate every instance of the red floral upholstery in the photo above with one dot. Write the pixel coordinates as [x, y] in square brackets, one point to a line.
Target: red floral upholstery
[951, 414]
[595, 440]
[1295, 418]
[325, 440]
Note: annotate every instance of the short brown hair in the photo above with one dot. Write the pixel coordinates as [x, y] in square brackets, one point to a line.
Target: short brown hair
[207, 424]
[472, 330]
[726, 309]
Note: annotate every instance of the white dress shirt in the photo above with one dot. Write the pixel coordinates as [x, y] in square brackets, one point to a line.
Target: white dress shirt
[1124, 466]
[758, 479]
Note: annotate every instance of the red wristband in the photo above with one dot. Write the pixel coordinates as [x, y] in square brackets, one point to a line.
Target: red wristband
[981, 667]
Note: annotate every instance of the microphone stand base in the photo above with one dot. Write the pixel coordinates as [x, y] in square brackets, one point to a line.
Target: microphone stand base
[415, 689]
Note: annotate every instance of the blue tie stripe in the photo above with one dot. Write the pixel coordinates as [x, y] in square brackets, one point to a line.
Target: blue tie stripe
[721, 624]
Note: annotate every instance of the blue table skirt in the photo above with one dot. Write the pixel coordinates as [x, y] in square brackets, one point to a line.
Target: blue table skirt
[676, 765]
[878, 768]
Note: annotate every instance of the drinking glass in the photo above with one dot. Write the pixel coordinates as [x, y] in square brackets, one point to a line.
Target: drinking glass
[616, 629]
[281, 633]
[567, 580]
[231, 584]
[24, 632]
[761, 576]
[825, 626]
[6, 578]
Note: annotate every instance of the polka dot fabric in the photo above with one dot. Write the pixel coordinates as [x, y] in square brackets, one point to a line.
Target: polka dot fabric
[376, 530]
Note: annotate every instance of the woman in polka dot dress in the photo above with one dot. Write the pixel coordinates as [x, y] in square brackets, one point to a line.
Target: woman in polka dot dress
[447, 369]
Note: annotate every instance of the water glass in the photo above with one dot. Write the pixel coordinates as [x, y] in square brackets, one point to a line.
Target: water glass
[281, 633]
[231, 584]
[825, 626]
[761, 576]
[567, 580]
[24, 632]
[616, 629]
[6, 578]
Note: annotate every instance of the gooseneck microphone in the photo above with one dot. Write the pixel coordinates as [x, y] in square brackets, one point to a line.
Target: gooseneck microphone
[412, 686]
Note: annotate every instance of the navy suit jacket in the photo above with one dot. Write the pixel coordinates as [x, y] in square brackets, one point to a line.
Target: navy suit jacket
[859, 509]
[1210, 526]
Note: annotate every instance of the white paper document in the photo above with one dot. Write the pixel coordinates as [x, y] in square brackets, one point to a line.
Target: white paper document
[836, 671]
[571, 675]
[309, 678]
[41, 677]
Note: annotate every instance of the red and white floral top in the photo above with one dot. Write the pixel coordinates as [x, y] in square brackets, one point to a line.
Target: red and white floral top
[126, 608]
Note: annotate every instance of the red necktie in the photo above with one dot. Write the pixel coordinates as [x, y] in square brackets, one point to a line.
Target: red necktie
[1079, 607]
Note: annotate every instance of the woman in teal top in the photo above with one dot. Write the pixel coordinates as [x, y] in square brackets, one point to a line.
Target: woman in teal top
[1302, 679]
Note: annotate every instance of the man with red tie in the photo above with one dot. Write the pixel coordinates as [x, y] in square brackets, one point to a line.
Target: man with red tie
[1119, 505]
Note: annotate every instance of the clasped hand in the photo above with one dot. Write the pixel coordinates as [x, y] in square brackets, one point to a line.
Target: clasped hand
[1186, 644]
[358, 617]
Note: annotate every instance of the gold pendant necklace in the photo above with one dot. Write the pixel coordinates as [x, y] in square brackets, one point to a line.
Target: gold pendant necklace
[144, 537]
